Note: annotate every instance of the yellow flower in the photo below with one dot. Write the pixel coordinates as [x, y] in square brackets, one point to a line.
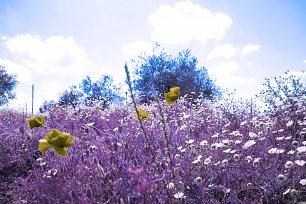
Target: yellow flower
[37, 121]
[58, 141]
[144, 115]
[172, 95]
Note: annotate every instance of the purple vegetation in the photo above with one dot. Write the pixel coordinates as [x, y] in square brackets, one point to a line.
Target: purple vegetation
[214, 158]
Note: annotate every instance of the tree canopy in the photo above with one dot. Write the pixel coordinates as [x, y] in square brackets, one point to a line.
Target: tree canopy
[100, 93]
[288, 89]
[161, 71]
[7, 84]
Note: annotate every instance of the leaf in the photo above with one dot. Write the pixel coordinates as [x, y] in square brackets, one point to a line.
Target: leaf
[43, 146]
[37, 121]
[172, 96]
[144, 115]
[58, 138]
[58, 141]
[61, 151]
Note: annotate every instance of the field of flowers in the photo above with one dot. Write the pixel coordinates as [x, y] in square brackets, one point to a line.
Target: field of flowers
[189, 152]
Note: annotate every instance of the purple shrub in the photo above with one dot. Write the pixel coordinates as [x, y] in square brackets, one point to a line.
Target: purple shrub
[257, 158]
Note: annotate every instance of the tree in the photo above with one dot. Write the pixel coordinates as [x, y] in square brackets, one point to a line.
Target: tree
[72, 97]
[161, 71]
[7, 83]
[102, 92]
[287, 90]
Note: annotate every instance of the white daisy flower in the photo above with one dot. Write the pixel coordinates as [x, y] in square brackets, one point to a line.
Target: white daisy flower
[203, 143]
[179, 195]
[301, 149]
[290, 123]
[207, 161]
[249, 144]
[190, 141]
[170, 185]
[303, 182]
[289, 164]
[300, 162]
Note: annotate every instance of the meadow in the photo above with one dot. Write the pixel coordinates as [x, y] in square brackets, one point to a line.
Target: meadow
[193, 151]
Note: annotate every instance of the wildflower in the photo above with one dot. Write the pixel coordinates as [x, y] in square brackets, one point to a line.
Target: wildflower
[52, 172]
[287, 191]
[256, 161]
[183, 150]
[38, 121]
[90, 124]
[224, 162]
[226, 141]
[253, 135]
[190, 141]
[198, 179]
[295, 143]
[40, 162]
[236, 133]
[172, 95]
[275, 151]
[213, 146]
[233, 151]
[227, 150]
[238, 141]
[290, 123]
[249, 144]
[57, 140]
[236, 157]
[303, 182]
[300, 162]
[281, 177]
[288, 137]
[143, 114]
[289, 164]
[179, 195]
[170, 185]
[203, 142]
[249, 158]
[293, 192]
[207, 161]
[291, 152]
[215, 135]
[301, 149]
[197, 160]
[279, 138]
[243, 123]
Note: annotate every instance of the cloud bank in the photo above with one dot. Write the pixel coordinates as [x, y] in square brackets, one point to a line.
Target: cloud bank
[186, 21]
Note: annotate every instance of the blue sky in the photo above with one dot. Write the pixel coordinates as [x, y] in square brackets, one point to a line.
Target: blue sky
[56, 43]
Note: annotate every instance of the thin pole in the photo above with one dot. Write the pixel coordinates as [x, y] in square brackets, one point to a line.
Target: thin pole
[32, 98]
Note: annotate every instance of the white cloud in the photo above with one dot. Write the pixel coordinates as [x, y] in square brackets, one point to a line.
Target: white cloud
[220, 70]
[55, 55]
[50, 91]
[134, 49]
[296, 73]
[305, 61]
[23, 73]
[42, 62]
[249, 48]
[226, 51]
[186, 21]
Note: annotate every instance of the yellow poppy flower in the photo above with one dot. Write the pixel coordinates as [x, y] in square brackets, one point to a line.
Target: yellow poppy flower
[37, 121]
[58, 141]
[172, 95]
[144, 115]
